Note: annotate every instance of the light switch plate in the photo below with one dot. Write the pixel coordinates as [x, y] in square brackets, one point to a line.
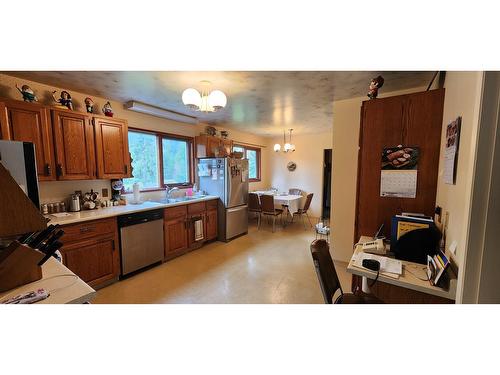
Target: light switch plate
[453, 247]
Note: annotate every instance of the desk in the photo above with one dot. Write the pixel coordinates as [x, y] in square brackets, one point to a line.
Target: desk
[418, 291]
[62, 288]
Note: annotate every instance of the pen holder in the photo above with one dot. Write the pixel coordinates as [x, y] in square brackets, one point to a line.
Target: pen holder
[19, 266]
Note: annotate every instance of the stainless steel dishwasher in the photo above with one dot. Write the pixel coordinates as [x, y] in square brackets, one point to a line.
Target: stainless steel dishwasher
[141, 240]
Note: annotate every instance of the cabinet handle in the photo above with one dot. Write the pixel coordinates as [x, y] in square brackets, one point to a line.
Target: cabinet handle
[86, 229]
[113, 245]
[126, 168]
[48, 170]
[59, 170]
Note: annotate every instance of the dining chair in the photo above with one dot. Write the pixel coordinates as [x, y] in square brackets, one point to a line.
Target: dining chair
[329, 280]
[254, 206]
[303, 211]
[268, 209]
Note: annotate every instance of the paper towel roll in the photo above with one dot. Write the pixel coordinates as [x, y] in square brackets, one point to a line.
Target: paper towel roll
[137, 194]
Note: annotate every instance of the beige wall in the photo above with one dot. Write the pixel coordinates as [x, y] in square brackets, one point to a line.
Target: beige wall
[53, 191]
[346, 123]
[309, 173]
[462, 98]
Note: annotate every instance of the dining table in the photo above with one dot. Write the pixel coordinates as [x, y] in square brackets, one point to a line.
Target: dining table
[292, 201]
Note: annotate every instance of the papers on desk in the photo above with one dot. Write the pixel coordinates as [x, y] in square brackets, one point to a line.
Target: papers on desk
[388, 267]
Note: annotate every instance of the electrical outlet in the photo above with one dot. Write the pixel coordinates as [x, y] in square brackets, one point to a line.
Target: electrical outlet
[105, 193]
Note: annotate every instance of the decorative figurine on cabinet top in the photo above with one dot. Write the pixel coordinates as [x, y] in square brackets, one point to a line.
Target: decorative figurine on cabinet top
[224, 134]
[27, 93]
[89, 104]
[65, 99]
[107, 110]
[375, 84]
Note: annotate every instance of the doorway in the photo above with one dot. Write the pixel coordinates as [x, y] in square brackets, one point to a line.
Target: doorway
[327, 183]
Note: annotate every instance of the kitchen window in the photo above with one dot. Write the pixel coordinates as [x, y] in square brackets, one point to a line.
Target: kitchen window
[253, 156]
[158, 160]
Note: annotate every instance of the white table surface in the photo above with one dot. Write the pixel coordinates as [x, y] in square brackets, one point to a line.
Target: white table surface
[294, 202]
[406, 280]
[62, 284]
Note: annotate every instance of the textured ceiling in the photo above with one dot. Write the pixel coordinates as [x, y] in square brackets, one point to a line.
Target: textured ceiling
[259, 102]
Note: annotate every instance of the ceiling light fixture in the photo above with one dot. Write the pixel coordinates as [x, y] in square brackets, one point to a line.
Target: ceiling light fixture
[287, 146]
[206, 101]
[160, 112]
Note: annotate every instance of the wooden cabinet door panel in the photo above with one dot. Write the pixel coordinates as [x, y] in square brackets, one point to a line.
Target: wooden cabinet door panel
[175, 236]
[94, 261]
[213, 145]
[74, 144]
[111, 148]
[227, 146]
[211, 225]
[29, 122]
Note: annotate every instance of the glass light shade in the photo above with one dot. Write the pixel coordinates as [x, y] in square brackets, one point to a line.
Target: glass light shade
[292, 147]
[287, 147]
[217, 100]
[277, 147]
[191, 98]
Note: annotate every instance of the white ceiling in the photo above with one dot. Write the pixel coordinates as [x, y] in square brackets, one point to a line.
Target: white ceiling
[259, 102]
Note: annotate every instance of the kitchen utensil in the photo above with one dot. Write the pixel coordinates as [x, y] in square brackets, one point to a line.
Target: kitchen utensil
[50, 251]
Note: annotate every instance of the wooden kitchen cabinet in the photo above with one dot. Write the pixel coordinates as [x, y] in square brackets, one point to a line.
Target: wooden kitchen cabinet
[175, 231]
[208, 146]
[29, 122]
[91, 251]
[211, 224]
[74, 145]
[111, 140]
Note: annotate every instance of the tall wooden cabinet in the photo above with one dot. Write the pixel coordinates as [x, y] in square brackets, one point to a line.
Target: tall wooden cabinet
[111, 139]
[410, 120]
[74, 145]
[30, 122]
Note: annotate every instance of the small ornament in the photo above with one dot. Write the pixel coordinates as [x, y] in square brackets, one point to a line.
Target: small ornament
[224, 134]
[210, 130]
[89, 104]
[375, 84]
[107, 110]
[27, 93]
[64, 100]
[291, 166]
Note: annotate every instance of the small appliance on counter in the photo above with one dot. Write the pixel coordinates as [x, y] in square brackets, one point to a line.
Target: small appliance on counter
[74, 203]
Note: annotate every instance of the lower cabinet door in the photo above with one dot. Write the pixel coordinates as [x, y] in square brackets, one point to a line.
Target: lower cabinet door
[94, 261]
[211, 224]
[176, 239]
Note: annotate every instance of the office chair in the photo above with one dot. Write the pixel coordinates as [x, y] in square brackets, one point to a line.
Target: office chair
[328, 279]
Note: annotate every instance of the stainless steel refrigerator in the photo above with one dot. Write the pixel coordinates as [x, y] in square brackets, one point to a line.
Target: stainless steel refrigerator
[227, 178]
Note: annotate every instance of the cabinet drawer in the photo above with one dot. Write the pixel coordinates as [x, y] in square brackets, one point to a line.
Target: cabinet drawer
[196, 208]
[77, 232]
[174, 212]
[212, 204]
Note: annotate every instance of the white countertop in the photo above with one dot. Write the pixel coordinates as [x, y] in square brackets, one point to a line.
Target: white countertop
[62, 284]
[102, 213]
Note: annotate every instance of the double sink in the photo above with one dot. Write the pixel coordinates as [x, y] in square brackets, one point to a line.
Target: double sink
[179, 199]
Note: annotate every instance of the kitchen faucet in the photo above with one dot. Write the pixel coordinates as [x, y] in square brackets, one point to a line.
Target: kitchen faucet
[169, 190]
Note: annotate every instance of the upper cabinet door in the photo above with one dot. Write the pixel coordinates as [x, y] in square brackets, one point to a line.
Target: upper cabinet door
[29, 122]
[74, 145]
[111, 147]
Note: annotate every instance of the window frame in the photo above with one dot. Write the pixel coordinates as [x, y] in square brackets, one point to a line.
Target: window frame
[159, 138]
[257, 152]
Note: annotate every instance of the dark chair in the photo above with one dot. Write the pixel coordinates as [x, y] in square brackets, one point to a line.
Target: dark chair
[328, 279]
[268, 209]
[254, 206]
[303, 211]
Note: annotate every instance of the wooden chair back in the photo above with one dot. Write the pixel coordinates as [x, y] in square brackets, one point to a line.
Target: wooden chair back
[253, 202]
[267, 203]
[308, 202]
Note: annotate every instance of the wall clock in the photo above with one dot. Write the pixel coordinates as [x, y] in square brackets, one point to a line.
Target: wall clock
[291, 166]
